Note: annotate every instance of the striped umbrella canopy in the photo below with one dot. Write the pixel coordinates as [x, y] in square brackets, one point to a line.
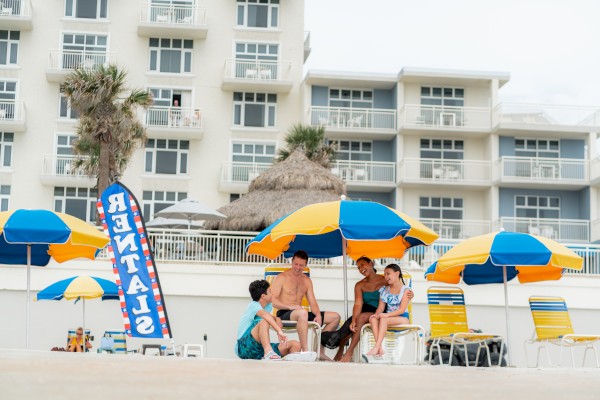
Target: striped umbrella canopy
[33, 237]
[502, 256]
[340, 228]
[80, 287]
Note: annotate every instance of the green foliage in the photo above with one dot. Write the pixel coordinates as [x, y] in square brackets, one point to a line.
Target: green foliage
[312, 140]
[108, 130]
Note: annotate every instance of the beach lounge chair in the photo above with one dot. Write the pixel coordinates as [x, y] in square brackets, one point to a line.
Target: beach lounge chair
[448, 317]
[553, 326]
[393, 343]
[290, 326]
[72, 333]
[119, 341]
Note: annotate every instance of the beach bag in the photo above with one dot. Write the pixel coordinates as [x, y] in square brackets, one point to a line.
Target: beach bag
[107, 343]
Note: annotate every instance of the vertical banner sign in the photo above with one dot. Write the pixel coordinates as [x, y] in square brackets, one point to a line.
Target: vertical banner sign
[142, 303]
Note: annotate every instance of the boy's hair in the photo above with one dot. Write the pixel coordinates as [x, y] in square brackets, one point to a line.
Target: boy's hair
[396, 268]
[301, 254]
[258, 288]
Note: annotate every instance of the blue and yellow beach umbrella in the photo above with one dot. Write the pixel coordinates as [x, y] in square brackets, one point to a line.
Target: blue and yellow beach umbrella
[80, 287]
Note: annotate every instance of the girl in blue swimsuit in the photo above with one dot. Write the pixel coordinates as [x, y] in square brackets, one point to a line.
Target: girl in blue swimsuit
[395, 297]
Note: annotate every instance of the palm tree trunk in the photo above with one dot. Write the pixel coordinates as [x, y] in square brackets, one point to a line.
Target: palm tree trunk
[103, 171]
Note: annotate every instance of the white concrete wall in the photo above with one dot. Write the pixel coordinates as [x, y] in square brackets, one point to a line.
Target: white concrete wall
[209, 299]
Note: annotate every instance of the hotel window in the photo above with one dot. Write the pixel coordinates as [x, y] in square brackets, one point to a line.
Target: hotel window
[262, 153]
[441, 208]
[353, 150]
[167, 156]
[443, 149]
[92, 9]
[258, 13]
[65, 110]
[4, 197]
[64, 153]
[8, 94]
[535, 148]
[256, 60]
[350, 98]
[78, 202]
[171, 55]
[9, 47]
[6, 145]
[537, 207]
[442, 96]
[155, 201]
[254, 109]
[81, 50]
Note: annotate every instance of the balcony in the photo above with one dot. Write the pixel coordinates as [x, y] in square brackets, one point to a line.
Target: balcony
[457, 229]
[347, 123]
[173, 123]
[12, 116]
[510, 117]
[595, 171]
[180, 21]
[417, 118]
[252, 76]
[56, 171]
[16, 15]
[62, 62]
[372, 176]
[540, 172]
[563, 230]
[236, 176]
[307, 48]
[418, 171]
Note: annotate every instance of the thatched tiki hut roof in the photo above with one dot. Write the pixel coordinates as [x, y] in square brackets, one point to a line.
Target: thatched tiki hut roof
[285, 187]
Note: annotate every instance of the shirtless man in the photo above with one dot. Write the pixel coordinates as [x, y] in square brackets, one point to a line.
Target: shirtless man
[288, 290]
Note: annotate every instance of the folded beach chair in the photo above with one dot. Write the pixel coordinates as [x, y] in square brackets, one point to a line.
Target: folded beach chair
[290, 326]
[393, 343]
[448, 317]
[553, 326]
[72, 333]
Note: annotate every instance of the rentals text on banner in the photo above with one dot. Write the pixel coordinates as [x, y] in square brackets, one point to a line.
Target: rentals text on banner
[142, 303]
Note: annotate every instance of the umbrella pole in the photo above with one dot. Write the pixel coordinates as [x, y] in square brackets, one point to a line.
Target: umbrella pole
[345, 268]
[28, 296]
[84, 343]
[506, 312]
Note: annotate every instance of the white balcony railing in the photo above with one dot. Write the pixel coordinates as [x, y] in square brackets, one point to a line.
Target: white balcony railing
[436, 170]
[173, 117]
[544, 115]
[565, 230]
[547, 169]
[15, 8]
[423, 116]
[258, 70]
[73, 59]
[12, 111]
[457, 228]
[353, 118]
[365, 171]
[240, 172]
[60, 165]
[224, 247]
[173, 14]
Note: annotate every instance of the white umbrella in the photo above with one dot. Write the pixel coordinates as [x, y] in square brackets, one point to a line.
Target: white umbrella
[190, 210]
[173, 223]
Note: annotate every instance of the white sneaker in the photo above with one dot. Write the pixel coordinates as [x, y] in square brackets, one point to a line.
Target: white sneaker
[304, 356]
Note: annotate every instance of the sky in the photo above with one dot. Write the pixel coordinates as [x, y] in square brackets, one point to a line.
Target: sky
[550, 48]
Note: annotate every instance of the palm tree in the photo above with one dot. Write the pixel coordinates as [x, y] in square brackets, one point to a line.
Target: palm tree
[312, 139]
[108, 130]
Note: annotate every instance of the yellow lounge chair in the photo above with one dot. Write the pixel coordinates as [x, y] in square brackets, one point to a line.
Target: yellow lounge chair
[72, 333]
[553, 326]
[448, 317]
[392, 342]
[290, 326]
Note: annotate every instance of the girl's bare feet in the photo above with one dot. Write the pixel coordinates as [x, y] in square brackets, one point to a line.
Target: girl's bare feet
[373, 351]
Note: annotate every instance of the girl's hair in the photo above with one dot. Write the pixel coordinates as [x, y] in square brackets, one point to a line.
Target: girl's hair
[396, 268]
[367, 259]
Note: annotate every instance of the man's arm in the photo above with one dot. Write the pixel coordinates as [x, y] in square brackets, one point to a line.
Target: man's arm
[312, 301]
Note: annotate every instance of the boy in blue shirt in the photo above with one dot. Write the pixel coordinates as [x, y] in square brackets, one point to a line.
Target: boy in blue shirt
[253, 329]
